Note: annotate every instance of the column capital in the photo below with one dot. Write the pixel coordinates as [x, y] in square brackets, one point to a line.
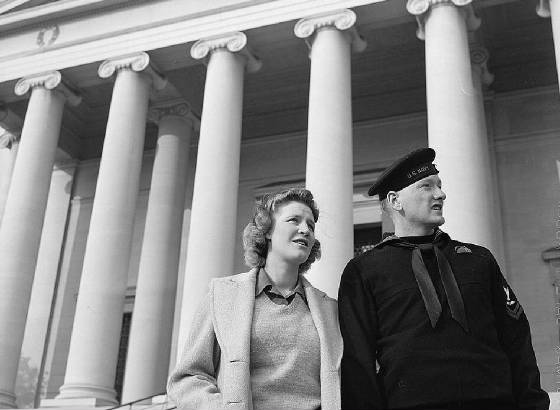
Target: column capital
[543, 8]
[50, 80]
[10, 127]
[343, 20]
[138, 62]
[479, 61]
[421, 8]
[180, 109]
[7, 139]
[233, 42]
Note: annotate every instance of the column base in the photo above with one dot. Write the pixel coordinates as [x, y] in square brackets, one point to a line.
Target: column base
[82, 395]
[75, 404]
[7, 400]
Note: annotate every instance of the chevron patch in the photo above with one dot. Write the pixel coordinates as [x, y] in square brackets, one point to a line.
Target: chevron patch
[513, 307]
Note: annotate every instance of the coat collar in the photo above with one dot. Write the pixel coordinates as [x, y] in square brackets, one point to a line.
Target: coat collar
[325, 317]
[233, 304]
[234, 299]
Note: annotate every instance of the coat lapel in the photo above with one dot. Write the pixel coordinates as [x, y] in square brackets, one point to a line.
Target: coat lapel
[233, 303]
[325, 318]
[324, 313]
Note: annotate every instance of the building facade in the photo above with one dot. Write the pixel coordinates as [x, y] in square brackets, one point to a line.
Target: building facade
[136, 136]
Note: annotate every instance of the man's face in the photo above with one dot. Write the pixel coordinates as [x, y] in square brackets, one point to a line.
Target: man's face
[422, 202]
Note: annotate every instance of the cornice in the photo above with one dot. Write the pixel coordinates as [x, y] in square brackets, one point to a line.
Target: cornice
[137, 62]
[50, 10]
[526, 140]
[343, 20]
[235, 42]
[10, 4]
[112, 41]
[51, 80]
[547, 90]
[421, 8]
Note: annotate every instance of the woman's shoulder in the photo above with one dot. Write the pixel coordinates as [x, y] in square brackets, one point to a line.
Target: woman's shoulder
[319, 292]
[238, 277]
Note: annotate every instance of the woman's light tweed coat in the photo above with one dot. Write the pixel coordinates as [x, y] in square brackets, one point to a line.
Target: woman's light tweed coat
[213, 372]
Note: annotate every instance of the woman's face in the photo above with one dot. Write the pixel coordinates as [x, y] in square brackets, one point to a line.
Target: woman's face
[292, 234]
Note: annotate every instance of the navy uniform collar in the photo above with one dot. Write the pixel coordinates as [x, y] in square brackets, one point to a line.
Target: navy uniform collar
[439, 237]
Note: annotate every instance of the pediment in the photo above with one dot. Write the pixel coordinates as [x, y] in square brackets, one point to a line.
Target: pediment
[10, 6]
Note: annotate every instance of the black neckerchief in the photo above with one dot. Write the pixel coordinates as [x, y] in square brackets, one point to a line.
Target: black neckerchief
[425, 284]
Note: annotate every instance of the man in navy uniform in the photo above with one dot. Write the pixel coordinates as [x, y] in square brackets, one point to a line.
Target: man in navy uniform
[429, 322]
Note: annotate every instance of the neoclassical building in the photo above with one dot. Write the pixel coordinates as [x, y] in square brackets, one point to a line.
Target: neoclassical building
[136, 136]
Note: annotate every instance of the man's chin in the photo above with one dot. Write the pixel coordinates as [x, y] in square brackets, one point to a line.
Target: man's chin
[439, 221]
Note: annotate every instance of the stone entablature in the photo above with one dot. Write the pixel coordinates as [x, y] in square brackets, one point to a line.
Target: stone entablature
[62, 42]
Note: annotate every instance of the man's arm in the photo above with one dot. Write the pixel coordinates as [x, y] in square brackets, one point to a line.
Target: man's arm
[192, 384]
[515, 337]
[358, 324]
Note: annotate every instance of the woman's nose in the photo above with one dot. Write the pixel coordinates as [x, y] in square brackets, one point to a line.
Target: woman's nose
[304, 229]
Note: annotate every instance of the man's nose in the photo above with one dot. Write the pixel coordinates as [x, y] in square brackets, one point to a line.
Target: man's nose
[440, 194]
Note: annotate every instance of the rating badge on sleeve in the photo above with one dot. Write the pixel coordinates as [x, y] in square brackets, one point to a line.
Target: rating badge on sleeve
[513, 307]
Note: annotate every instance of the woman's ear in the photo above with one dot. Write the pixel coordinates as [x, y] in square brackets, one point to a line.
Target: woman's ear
[268, 234]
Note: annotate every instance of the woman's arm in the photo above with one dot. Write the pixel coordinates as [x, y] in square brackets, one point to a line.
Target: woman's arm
[193, 385]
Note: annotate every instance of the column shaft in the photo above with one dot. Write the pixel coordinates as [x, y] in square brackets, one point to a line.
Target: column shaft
[92, 358]
[152, 320]
[456, 127]
[210, 251]
[488, 183]
[21, 227]
[7, 162]
[329, 172]
[555, 21]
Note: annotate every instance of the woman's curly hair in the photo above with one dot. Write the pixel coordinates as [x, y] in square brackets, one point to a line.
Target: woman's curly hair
[255, 242]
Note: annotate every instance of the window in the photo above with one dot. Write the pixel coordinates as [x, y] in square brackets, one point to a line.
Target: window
[365, 236]
[123, 349]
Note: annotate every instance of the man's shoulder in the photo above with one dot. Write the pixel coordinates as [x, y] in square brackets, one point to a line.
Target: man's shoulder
[367, 256]
[470, 249]
[377, 258]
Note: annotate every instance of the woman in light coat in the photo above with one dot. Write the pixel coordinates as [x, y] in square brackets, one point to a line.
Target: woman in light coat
[265, 339]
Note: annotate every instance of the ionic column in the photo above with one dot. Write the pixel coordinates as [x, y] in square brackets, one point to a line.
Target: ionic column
[329, 172]
[92, 358]
[24, 213]
[10, 132]
[214, 204]
[551, 8]
[149, 345]
[482, 149]
[456, 128]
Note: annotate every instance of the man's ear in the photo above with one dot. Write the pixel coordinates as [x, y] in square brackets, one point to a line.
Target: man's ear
[393, 201]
